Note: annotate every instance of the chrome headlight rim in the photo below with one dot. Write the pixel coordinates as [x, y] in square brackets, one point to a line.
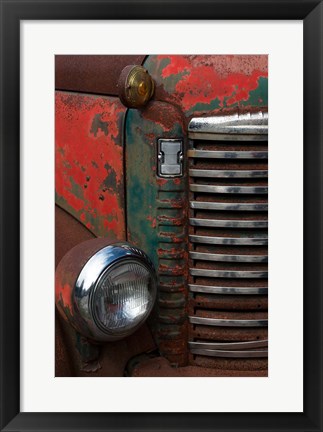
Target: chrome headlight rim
[88, 281]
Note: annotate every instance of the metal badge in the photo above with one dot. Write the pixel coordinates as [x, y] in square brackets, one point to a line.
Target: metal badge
[170, 157]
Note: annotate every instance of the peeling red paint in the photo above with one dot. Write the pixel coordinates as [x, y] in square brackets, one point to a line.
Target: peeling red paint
[89, 161]
[63, 296]
[206, 82]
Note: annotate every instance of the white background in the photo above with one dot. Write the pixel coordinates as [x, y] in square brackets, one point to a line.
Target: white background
[283, 390]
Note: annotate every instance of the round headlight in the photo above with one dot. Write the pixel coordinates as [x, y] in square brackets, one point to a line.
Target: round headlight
[123, 297]
[114, 293]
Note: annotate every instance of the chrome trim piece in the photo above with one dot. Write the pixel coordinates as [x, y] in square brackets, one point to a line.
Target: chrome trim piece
[227, 137]
[235, 124]
[228, 173]
[170, 158]
[229, 189]
[228, 322]
[231, 223]
[227, 258]
[208, 154]
[229, 346]
[228, 273]
[231, 354]
[246, 241]
[227, 290]
[205, 205]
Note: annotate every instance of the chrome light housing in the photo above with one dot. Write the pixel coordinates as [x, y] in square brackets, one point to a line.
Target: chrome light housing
[113, 294]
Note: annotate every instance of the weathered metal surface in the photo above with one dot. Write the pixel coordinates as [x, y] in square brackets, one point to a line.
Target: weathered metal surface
[156, 215]
[228, 334]
[89, 161]
[207, 84]
[229, 302]
[68, 233]
[92, 73]
[66, 275]
[160, 367]
[64, 364]
[89, 354]
[230, 363]
[113, 356]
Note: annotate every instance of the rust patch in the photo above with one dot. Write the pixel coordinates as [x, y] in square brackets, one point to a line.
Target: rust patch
[160, 367]
[92, 73]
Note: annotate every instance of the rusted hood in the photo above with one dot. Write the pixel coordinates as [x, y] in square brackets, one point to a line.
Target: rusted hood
[92, 73]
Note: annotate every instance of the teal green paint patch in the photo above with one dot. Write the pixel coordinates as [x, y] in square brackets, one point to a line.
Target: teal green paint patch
[66, 164]
[155, 67]
[259, 96]
[172, 229]
[213, 105]
[91, 219]
[76, 189]
[171, 81]
[142, 183]
[60, 200]
[141, 192]
[111, 179]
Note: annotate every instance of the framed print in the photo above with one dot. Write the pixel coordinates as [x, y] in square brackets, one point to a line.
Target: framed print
[161, 244]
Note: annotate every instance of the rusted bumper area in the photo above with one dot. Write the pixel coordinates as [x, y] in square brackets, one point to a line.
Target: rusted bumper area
[160, 367]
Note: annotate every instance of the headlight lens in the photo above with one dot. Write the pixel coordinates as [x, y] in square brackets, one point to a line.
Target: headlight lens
[123, 297]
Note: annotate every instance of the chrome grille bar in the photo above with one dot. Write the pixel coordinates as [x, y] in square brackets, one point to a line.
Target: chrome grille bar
[202, 256]
[229, 189]
[205, 289]
[228, 246]
[224, 137]
[228, 322]
[228, 173]
[244, 241]
[228, 273]
[231, 126]
[207, 154]
[228, 346]
[220, 223]
[230, 354]
[228, 206]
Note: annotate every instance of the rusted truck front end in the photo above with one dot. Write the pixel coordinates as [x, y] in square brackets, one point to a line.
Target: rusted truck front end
[161, 215]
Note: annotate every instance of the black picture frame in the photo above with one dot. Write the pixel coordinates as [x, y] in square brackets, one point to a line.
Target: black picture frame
[12, 12]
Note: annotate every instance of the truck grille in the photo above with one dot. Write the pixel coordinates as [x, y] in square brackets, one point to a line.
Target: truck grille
[228, 238]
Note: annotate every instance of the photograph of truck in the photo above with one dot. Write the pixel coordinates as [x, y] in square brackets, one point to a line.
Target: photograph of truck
[161, 192]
